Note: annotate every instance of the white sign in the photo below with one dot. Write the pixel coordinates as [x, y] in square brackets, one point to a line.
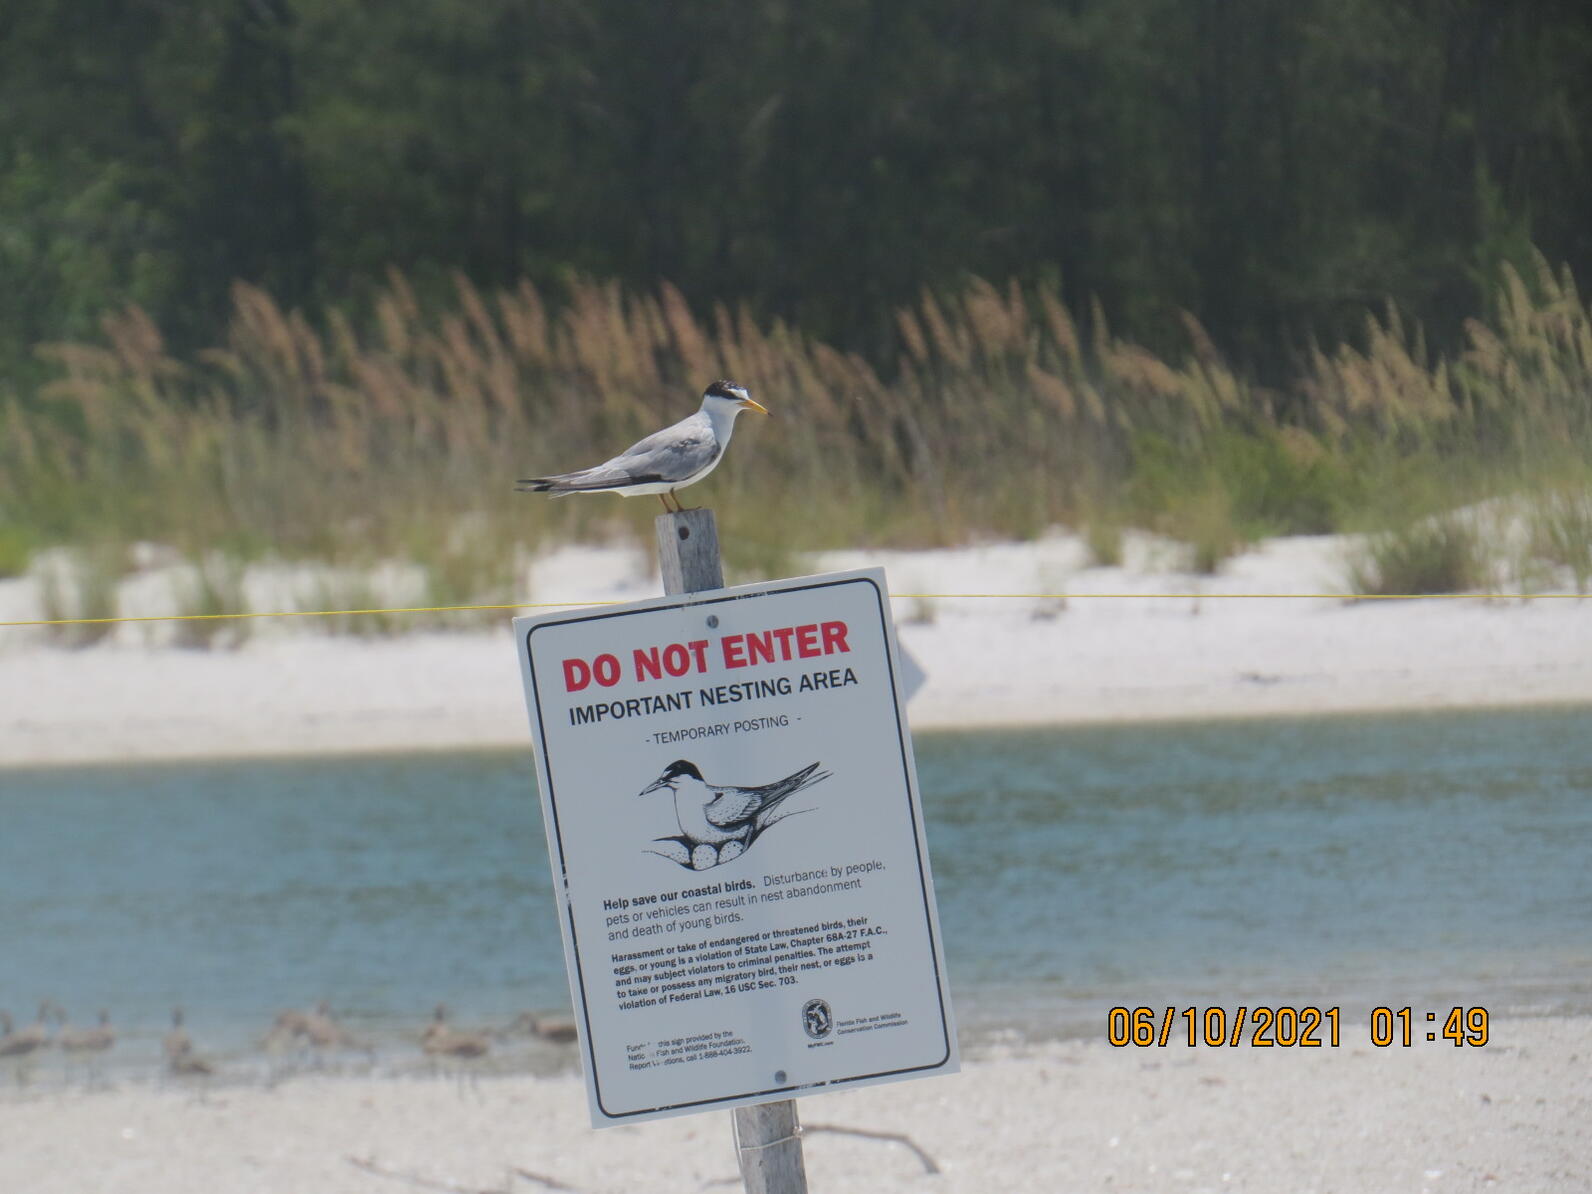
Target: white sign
[737, 845]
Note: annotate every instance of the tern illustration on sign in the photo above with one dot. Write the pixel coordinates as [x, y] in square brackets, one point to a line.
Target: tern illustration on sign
[719, 822]
[665, 461]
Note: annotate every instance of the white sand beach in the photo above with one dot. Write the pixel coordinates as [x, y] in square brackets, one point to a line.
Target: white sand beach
[1267, 636]
[1510, 1116]
[1130, 643]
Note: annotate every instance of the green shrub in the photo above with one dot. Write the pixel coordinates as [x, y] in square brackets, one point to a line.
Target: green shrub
[17, 545]
[1559, 533]
[1435, 555]
[213, 584]
[82, 583]
[1104, 538]
[365, 603]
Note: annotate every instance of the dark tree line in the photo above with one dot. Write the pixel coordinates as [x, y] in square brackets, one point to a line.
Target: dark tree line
[1274, 166]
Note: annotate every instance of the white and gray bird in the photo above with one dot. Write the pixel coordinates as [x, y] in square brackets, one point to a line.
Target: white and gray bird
[665, 461]
[718, 822]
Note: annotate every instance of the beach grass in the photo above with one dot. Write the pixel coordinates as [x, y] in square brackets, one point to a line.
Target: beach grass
[77, 587]
[1560, 534]
[1441, 555]
[395, 440]
[211, 585]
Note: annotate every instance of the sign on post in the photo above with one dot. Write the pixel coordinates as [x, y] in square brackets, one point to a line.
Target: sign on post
[737, 845]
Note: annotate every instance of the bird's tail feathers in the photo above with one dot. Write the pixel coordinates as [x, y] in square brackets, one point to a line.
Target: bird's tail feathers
[805, 777]
[816, 779]
[561, 486]
[557, 486]
[778, 792]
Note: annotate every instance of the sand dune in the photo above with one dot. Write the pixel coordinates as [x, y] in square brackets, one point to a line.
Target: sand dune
[1130, 643]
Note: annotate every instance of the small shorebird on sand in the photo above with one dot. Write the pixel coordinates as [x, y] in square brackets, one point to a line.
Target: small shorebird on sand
[311, 1033]
[557, 1030]
[443, 1043]
[442, 1039]
[84, 1040]
[181, 1060]
[88, 1044]
[24, 1042]
[19, 1047]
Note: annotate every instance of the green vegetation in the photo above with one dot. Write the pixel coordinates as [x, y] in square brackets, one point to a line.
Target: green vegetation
[398, 445]
[366, 265]
[16, 550]
[1103, 536]
[81, 583]
[1273, 166]
[357, 591]
[1444, 555]
[213, 584]
[1560, 535]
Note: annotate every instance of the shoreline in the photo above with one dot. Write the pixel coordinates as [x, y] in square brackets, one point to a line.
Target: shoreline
[1161, 647]
[1509, 1115]
[393, 741]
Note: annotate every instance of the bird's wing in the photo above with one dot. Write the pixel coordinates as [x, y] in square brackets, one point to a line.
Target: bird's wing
[692, 433]
[673, 454]
[735, 808]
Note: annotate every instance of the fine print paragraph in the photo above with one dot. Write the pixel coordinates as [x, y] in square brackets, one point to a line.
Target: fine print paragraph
[691, 947]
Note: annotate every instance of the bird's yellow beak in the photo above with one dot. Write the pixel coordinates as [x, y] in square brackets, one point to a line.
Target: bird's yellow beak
[753, 404]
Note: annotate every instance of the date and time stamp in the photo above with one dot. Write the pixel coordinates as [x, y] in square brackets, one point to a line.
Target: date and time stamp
[1266, 1027]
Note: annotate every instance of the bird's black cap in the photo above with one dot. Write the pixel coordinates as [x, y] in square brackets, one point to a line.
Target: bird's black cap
[681, 767]
[724, 388]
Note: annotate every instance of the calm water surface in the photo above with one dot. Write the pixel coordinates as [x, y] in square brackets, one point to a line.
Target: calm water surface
[1430, 860]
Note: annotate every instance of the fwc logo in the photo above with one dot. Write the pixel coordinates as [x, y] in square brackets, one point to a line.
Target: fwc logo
[817, 1020]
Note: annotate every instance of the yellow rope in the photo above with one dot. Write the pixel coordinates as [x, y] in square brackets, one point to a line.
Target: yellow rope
[302, 613]
[446, 609]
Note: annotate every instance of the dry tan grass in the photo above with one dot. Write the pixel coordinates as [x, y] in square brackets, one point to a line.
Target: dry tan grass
[401, 438]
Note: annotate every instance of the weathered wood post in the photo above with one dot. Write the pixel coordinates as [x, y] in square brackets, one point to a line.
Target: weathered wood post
[767, 1136]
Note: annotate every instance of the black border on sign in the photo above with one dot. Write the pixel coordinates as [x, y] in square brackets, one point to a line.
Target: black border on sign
[694, 600]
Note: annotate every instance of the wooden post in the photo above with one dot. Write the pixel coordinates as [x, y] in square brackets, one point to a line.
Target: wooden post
[688, 551]
[767, 1136]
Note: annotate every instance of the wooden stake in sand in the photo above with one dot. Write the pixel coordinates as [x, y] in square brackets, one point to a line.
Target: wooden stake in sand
[767, 1136]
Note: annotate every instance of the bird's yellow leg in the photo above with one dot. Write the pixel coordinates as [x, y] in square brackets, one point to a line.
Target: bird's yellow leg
[665, 502]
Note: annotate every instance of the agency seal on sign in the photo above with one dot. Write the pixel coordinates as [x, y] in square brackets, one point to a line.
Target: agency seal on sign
[817, 1020]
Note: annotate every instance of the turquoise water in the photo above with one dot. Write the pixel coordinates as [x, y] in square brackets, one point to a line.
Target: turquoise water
[1426, 860]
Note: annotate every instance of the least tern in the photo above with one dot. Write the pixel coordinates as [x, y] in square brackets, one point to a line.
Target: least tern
[718, 822]
[665, 461]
